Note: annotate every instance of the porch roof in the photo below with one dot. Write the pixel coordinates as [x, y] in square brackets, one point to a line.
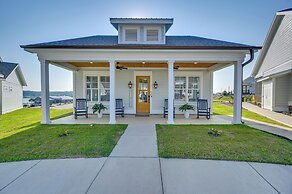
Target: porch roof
[172, 42]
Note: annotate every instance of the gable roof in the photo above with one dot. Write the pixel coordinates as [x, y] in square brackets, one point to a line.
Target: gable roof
[7, 68]
[172, 42]
[269, 38]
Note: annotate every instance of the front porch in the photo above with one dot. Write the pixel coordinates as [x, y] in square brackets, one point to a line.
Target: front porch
[152, 119]
[180, 76]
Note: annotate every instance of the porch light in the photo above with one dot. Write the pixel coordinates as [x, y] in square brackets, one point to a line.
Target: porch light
[90, 62]
[155, 85]
[130, 85]
[195, 62]
[143, 62]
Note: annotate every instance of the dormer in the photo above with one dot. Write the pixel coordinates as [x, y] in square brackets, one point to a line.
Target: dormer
[141, 30]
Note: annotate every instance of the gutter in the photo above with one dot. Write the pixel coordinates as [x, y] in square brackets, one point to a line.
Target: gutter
[251, 51]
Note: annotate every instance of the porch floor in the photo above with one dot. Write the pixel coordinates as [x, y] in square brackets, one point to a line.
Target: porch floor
[152, 119]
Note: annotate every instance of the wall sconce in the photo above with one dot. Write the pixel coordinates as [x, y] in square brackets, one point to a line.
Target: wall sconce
[130, 85]
[155, 85]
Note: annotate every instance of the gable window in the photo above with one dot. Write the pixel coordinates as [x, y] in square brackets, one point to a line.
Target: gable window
[152, 35]
[97, 88]
[186, 88]
[131, 35]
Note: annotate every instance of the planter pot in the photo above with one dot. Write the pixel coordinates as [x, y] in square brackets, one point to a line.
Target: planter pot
[99, 115]
[187, 114]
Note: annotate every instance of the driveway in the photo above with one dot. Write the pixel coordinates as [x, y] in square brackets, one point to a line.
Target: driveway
[134, 167]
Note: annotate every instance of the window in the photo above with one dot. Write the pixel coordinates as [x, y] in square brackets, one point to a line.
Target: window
[189, 84]
[104, 88]
[180, 88]
[131, 35]
[152, 35]
[97, 88]
[193, 89]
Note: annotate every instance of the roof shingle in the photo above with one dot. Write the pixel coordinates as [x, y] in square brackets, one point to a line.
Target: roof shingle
[106, 41]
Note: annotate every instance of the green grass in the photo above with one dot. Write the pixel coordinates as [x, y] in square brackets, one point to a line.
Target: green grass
[238, 142]
[223, 99]
[24, 119]
[44, 142]
[222, 109]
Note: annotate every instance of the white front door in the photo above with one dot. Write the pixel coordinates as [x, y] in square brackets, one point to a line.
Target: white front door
[267, 94]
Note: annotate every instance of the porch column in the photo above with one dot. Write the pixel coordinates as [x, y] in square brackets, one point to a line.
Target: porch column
[237, 106]
[112, 92]
[170, 92]
[45, 91]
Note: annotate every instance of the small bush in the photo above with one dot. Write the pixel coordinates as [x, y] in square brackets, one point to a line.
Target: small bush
[64, 134]
[215, 132]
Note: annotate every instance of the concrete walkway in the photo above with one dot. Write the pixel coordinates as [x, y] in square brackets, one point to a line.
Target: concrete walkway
[281, 118]
[134, 168]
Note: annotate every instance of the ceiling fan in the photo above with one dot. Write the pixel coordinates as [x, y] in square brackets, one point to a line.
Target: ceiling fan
[120, 67]
[176, 67]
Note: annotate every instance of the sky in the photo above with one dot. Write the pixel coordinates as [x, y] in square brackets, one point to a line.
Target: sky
[34, 21]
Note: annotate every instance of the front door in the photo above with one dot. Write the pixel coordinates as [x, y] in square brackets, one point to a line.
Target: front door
[143, 94]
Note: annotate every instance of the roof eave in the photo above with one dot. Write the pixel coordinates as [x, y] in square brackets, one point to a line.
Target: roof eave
[145, 47]
[269, 38]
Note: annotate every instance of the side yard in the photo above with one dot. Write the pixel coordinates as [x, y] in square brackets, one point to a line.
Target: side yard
[26, 118]
[220, 108]
[236, 142]
[22, 137]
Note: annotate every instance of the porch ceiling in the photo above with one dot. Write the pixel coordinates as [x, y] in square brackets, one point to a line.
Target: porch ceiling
[144, 65]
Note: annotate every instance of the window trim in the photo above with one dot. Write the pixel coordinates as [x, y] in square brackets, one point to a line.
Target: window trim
[159, 41]
[98, 75]
[187, 75]
[131, 28]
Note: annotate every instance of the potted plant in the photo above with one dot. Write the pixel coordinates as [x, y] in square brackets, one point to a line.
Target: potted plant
[186, 109]
[99, 108]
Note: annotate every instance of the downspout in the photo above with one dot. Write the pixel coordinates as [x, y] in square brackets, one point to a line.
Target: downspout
[251, 51]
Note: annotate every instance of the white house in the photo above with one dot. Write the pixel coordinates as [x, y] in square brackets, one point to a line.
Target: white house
[273, 69]
[177, 68]
[11, 84]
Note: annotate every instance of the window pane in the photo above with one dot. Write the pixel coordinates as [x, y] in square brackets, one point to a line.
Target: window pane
[88, 79]
[194, 88]
[94, 85]
[152, 35]
[193, 95]
[104, 82]
[131, 35]
[180, 88]
[194, 82]
[104, 95]
[94, 79]
[94, 95]
[180, 82]
[180, 95]
[88, 85]
[88, 95]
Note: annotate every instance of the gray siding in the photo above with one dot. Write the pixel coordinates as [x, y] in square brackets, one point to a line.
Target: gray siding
[280, 50]
[282, 91]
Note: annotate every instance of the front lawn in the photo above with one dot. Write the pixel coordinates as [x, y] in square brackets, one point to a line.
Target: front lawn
[222, 109]
[60, 141]
[24, 119]
[237, 142]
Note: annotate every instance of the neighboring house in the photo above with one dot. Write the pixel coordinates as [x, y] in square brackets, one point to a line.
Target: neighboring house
[11, 84]
[143, 66]
[248, 86]
[273, 69]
